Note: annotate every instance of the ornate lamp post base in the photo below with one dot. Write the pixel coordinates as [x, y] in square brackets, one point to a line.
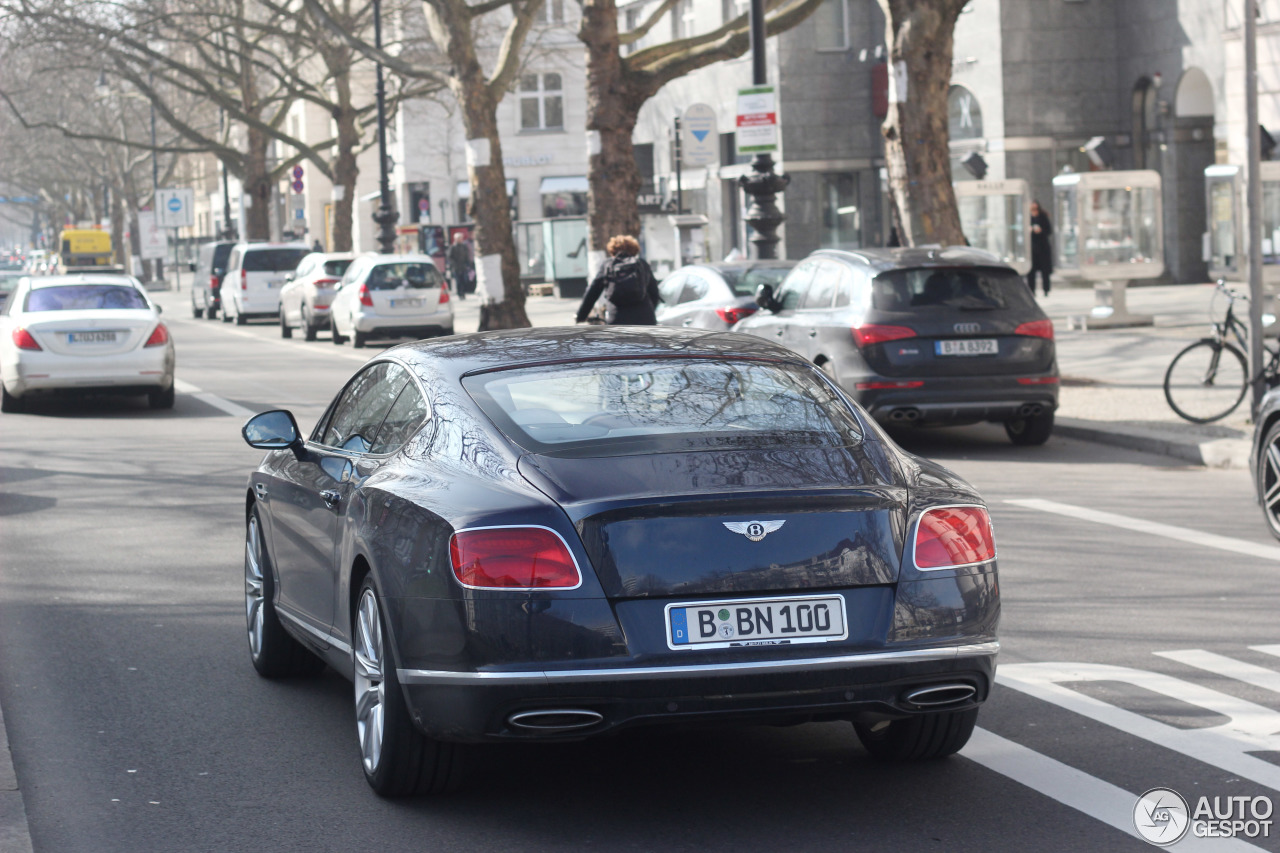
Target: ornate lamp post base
[386, 219]
[763, 185]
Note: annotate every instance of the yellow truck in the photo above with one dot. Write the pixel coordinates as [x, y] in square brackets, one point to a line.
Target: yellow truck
[85, 249]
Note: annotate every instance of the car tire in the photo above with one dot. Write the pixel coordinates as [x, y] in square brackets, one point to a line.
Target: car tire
[286, 331]
[358, 340]
[398, 759]
[273, 652]
[9, 403]
[333, 328]
[1028, 432]
[241, 319]
[1266, 477]
[162, 398]
[211, 312]
[308, 328]
[226, 315]
[196, 312]
[919, 738]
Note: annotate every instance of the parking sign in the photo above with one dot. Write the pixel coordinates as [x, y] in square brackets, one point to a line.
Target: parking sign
[175, 208]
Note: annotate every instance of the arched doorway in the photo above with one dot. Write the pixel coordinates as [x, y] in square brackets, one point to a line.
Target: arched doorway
[1146, 111]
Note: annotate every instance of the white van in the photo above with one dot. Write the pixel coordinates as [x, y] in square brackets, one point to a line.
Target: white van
[255, 274]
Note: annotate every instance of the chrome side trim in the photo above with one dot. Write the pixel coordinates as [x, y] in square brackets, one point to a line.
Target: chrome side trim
[569, 676]
[321, 636]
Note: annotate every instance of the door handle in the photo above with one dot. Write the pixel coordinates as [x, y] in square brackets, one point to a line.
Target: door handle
[688, 322]
[813, 333]
[331, 498]
[261, 489]
[778, 333]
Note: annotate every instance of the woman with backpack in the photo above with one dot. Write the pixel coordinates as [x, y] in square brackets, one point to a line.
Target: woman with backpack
[627, 284]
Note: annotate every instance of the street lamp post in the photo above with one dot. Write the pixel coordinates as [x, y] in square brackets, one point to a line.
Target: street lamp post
[763, 184]
[385, 216]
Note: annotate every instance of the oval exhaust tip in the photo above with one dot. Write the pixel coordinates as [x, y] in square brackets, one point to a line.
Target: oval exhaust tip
[937, 695]
[553, 720]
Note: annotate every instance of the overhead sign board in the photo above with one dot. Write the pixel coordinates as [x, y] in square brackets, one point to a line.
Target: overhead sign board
[757, 131]
[175, 208]
[698, 137]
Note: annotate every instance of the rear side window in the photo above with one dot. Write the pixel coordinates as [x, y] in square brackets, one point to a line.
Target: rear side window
[967, 289]
[795, 286]
[273, 260]
[745, 282]
[394, 276]
[84, 297]
[220, 256]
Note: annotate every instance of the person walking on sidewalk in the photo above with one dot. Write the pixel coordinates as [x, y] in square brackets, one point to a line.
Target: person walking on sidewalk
[461, 266]
[627, 284]
[1041, 248]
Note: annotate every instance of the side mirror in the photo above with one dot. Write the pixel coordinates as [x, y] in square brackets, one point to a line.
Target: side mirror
[289, 277]
[159, 309]
[273, 430]
[764, 297]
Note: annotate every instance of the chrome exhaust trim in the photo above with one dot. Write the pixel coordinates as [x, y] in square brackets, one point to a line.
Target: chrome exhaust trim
[555, 720]
[939, 695]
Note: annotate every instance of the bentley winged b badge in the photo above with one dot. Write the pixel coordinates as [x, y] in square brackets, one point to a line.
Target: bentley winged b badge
[753, 530]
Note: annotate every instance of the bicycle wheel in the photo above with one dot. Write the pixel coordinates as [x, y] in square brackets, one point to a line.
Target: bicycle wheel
[1206, 381]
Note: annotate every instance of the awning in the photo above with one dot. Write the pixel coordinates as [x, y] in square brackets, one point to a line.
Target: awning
[574, 184]
[464, 188]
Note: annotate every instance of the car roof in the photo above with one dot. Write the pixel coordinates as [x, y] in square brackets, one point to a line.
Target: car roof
[258, 246]
[748, 265]
[883, 260]
[38, 281]
[378, 258]
[458, 355]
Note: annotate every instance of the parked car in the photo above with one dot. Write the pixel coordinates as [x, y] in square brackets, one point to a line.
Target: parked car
[921, 336]
[87, 333]
[210, 266]
[1265, 459]
[715, 296]
[390, 296]
[305, 298]
[8, 281]
[254, 278]
[558, 533]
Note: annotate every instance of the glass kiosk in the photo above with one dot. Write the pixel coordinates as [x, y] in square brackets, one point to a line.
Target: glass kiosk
[994, 217]
[1225, 249]
[1109, 230]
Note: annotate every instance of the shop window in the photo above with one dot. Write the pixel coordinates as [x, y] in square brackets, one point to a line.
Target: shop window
[841, 215]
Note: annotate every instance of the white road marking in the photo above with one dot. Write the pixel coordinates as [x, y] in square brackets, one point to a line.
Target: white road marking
[1168, 531]
[240, 333]
[212, 399]
[1267, 650]
[1094, 797]
[1258, 676]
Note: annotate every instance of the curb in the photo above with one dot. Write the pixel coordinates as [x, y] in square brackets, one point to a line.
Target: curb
[1213, 453]
[15, 837]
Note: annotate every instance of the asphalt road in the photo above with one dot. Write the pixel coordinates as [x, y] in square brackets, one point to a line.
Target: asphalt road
[1141, 649]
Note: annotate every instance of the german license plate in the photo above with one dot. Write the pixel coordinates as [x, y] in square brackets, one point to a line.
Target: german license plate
[91, 337]
[756, 622]
[406, 303]
[970, 346]
[275, 282]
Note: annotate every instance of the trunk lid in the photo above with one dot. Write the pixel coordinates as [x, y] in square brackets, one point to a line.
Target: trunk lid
[91, 333]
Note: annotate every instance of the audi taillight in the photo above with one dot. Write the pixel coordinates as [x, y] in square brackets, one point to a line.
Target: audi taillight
[244, 280]
[365, 299]
[1036, 329]
[952, 536]
[871, 333]
[22, 340]
[444, 294]
[733, 315]
[512, 558]
[159, 337]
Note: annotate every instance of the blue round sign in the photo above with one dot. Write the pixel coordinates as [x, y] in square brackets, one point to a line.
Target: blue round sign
[175, 204]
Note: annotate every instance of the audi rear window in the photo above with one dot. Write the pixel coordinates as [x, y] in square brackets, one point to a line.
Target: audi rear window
[84, 297]
[272, 260]
[943, 290]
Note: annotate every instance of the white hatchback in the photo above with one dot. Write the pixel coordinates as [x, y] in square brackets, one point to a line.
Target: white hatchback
[391, 296]
[255, 274]
[87, 334]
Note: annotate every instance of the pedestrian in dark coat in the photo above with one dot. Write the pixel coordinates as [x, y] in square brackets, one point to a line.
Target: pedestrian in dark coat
[624, 251]
[1041, 248]
[462, 266]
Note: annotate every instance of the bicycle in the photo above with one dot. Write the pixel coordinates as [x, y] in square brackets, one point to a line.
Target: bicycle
[1207, 380]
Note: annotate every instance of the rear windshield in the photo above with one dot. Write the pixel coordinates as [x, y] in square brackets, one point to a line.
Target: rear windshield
[336, 268]
[408, 274]
[745, 282]
[967, 289]
[673, 404]
[84, 297]
[272, 260]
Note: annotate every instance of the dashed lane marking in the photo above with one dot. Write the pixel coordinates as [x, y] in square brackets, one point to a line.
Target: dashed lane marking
[1258, 676]
[214, 400]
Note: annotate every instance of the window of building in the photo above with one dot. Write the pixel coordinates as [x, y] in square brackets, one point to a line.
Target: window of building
[644, 165]
[682, 18]
[731, 9]
[564, 196]
[841, 215]
[541, 102]
[832, 22]
[552, 12]
[630, 21]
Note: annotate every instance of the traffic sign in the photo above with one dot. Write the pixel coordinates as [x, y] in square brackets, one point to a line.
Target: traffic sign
[175, 208]
[757, 120]
[297, 173]
[699, 140]
[297, 186]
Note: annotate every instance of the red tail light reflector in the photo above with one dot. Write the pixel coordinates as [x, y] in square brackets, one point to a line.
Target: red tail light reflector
[512, 558]
[1036, 328]
[733, 315]
[953, 536]
[874, 334]
[1037, 380]
[244, 280]
[159, 337]
[214, 284]
[444, 294]
[365, 299]
[320, 307]
[889, 386]
[22, 340]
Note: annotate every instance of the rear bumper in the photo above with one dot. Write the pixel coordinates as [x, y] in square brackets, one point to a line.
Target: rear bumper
[134, 372]
[479, 706]
[943, 401]
[426, 325]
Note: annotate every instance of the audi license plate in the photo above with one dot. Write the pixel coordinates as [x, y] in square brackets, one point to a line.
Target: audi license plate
[972, 346]
[756, 622]
[91, 337]
[406, 303]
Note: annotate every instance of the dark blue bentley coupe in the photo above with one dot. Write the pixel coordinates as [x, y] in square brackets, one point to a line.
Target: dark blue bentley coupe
[556, 533]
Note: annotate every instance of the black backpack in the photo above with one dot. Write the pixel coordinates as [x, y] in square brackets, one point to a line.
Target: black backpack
[627, 284]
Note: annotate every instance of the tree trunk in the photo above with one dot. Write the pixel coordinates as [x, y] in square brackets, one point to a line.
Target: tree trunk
[257, 186]
[919, 34]
[612, 174]
[345, 172]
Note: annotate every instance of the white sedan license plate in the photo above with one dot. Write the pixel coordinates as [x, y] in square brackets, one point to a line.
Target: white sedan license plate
[972, 346]
[756, 621]
[406, 303]
[91, 337]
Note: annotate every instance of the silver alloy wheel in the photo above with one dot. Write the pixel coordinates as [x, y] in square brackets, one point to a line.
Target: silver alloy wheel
[1269, 479]
[369, 684]
[253, 590]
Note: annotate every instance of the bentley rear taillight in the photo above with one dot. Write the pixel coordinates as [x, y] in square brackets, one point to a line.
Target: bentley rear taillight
[871, 333]
[22, 340]
[512, 558]
[952, 536]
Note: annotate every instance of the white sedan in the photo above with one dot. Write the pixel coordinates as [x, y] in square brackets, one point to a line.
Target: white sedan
[87, 334]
